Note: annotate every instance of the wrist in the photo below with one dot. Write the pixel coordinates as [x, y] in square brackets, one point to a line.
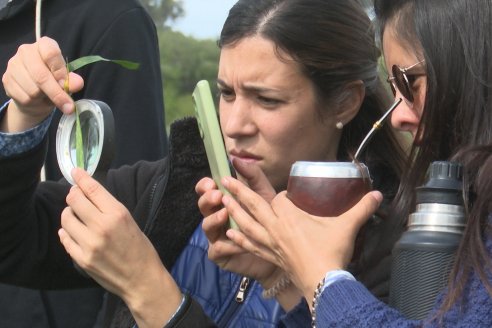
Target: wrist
[279, 286]
[281, 283]
[289, 297]
[155, 300]
[15, 120]
[271, 279]
[310, 281]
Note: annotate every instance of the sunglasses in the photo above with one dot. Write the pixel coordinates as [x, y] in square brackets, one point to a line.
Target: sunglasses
[402, 80]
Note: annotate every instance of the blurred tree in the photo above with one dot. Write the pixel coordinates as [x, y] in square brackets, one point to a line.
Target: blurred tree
[185, 61]
[163, 11]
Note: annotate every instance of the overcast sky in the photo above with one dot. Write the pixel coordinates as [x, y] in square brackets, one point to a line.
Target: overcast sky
[203, 18]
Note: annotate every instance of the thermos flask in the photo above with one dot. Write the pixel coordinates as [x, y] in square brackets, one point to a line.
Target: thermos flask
[424, 255]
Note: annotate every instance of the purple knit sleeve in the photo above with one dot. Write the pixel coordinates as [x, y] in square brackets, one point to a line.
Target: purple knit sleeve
[348, 303]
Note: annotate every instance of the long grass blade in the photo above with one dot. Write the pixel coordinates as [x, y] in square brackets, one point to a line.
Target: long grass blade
[82, 61]
[79, 142]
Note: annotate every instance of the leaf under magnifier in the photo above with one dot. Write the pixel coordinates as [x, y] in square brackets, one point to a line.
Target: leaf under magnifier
[79, 143]
[72, 66]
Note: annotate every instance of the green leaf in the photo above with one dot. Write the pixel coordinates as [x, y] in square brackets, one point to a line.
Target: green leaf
[79, 143]
[83, 61]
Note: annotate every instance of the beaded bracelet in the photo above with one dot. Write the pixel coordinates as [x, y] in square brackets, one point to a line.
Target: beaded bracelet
[279, 285]
[330, 277]
[314, 304]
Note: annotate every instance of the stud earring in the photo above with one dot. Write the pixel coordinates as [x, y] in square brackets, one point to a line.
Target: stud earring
[339, 125]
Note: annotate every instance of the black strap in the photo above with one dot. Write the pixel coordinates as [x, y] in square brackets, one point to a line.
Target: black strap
[190, 315]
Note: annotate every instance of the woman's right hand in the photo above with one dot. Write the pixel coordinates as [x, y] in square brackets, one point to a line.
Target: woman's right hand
[221, 250]
[35, 79]
[100, 234]
[228, 255]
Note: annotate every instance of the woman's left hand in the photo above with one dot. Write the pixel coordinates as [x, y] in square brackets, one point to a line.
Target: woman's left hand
[102, 237]
[303, 245]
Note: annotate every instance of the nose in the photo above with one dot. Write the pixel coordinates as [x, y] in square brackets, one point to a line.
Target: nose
[405, 118]
[237, 119]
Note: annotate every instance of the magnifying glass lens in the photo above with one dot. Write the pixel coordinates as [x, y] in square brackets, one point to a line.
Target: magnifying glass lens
[97, 127]
[90, 136]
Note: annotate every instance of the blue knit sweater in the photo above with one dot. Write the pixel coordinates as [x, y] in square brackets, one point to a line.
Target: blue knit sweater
[349, 304]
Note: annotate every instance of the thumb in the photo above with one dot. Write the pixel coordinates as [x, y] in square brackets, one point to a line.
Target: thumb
[363, 210]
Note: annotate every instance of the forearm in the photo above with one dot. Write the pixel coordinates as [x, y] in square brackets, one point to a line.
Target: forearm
[30, 251]
[163, 305]
[289, 297]
[15, 121]
[190, 314]
[17, 143]
[153, 305]
[350, 303]
[279, 286]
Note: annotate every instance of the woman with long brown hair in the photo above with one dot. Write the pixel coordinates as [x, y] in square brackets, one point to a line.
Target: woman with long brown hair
[439, 55]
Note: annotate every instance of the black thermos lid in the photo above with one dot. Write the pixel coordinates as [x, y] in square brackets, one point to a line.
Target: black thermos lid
[444, 184]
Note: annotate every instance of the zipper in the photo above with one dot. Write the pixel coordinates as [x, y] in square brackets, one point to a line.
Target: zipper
[234, 305]
[243, 286]
[155, 199]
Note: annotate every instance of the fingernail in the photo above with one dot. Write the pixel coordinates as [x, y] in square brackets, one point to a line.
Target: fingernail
[225, 182]
[230, 233]
[67, 108]
[75, 173]
[225, 200]
[377, 195]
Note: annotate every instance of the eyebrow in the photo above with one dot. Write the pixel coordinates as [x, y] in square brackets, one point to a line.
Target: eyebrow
[248, 88]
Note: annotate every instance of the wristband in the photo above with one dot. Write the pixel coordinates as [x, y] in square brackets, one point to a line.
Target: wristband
[279, 285]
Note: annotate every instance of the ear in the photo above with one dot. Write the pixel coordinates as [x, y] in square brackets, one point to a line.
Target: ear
[351, 100]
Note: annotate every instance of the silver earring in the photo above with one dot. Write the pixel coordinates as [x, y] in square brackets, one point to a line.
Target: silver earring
[339, 125]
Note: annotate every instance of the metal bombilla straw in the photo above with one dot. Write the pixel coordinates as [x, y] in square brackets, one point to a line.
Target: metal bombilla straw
[376, 126]
[38, 20]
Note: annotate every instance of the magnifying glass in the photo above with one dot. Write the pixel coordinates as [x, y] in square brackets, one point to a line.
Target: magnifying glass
[97, 125]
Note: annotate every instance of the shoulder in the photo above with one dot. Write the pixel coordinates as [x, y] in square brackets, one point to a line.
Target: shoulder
[109, 6]
[94, 15]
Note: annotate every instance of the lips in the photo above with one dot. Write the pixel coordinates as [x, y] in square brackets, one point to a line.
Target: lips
[243, 156]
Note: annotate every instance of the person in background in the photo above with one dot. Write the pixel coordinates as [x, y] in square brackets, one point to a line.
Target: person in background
[298, 80]
[439, 55]
[114, 29]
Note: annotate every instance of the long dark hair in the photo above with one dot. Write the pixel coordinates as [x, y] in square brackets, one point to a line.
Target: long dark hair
[454, 38]
[334, 44]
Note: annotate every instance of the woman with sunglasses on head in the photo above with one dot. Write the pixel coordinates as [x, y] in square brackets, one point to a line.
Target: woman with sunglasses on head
[439, 55]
